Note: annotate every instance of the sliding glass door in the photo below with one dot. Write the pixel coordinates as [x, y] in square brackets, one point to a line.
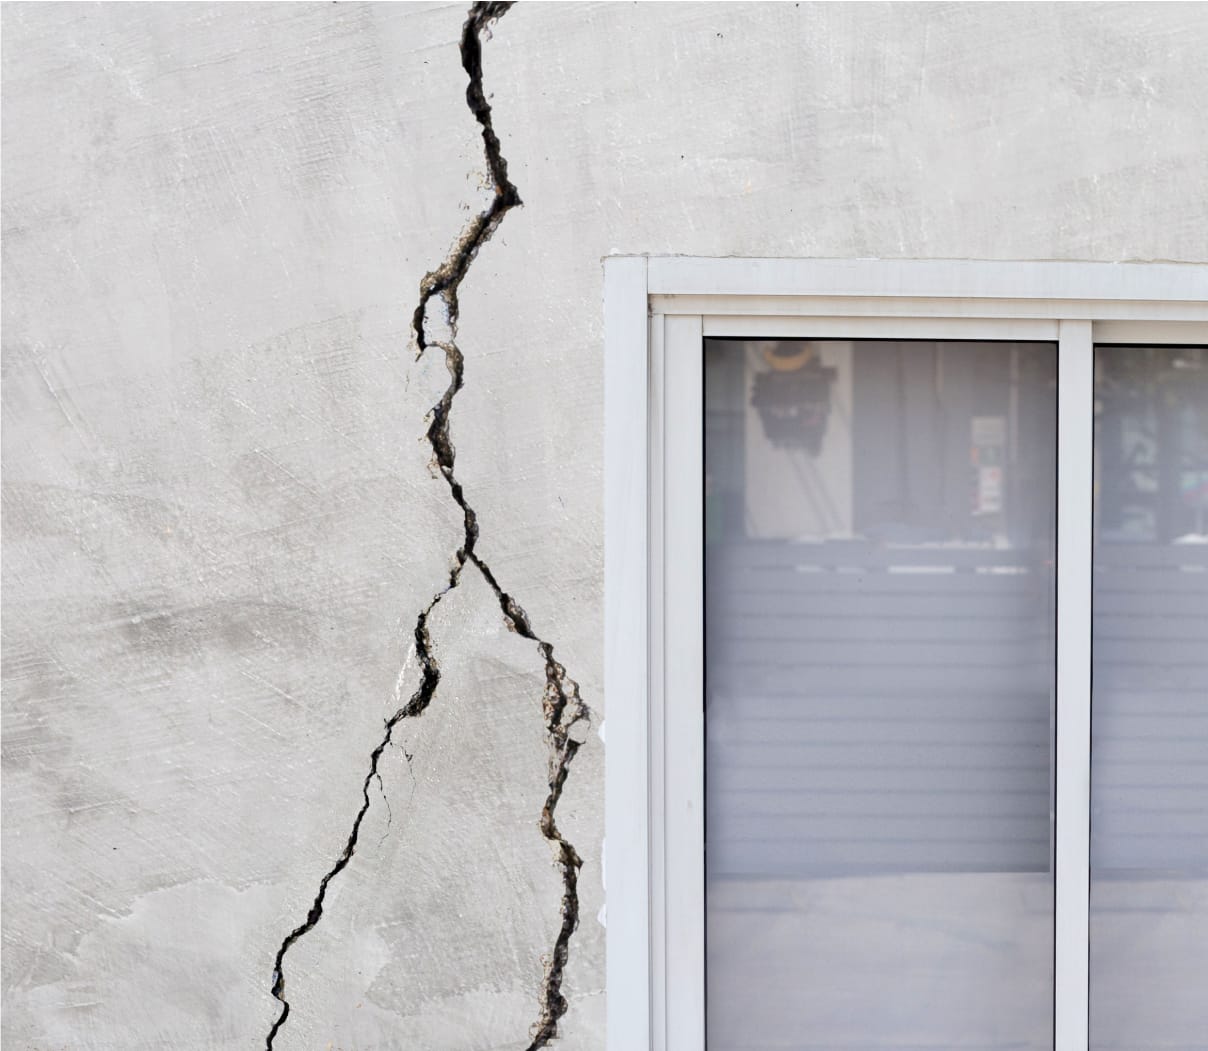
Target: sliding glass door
[879, 530]
[916, 553]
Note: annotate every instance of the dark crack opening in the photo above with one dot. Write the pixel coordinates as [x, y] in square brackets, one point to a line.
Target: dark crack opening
[562, 707]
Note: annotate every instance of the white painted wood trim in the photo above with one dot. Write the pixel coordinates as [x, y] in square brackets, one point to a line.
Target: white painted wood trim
[1075, 508]
[1151, 333]
[658, 652]
[626, 792]
[942, 278]
[894, 328]
[683, 685]
[833, 306]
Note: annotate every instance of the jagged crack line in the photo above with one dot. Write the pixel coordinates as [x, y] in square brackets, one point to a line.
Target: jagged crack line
[562, 705]
[444, 282]
[563, 708]
[416, 705]
[445, 279]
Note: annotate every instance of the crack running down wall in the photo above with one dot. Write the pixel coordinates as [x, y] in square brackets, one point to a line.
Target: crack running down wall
[222, 513]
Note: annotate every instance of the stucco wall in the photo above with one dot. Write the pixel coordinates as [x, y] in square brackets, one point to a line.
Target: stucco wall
[220, 517]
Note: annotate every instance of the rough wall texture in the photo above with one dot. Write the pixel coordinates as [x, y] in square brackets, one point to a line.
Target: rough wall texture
[221, 516]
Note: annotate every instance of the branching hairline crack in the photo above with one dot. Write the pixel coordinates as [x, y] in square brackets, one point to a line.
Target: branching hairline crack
[562, 706]
[389, 810]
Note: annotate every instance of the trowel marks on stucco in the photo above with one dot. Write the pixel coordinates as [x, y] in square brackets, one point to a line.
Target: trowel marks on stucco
[562, 706]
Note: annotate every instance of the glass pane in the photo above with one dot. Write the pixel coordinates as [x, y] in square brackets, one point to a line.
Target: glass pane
[879, 706]
[1149, 716]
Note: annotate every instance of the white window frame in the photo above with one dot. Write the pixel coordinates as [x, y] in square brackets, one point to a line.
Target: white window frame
[657, 312]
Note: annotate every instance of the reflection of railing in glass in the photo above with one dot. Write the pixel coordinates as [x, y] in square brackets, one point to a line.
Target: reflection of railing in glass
[879, 654]
[1149, 750]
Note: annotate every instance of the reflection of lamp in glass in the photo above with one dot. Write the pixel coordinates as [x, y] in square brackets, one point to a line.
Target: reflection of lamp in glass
[792, 396]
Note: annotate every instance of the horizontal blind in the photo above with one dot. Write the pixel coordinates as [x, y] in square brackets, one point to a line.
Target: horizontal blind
[895, 709]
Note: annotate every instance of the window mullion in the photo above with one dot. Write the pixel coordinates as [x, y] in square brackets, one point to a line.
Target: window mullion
[1075, 464]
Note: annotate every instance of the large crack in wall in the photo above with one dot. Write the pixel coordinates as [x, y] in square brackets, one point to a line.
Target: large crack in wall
[562, 707]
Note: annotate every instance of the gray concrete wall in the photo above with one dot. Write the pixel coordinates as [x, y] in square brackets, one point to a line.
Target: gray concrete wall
[220, 516]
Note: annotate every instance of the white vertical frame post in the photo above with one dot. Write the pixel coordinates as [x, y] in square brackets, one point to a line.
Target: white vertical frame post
[627, 766]
[678, 704]
[658, 648]
[1075, 494]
